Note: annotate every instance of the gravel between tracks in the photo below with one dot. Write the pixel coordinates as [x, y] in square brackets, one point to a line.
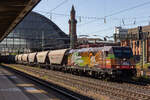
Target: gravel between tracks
[97, 89]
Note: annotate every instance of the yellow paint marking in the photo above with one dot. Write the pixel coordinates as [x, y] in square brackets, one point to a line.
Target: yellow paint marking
[36, 91]
[33, 90]
[24, 85]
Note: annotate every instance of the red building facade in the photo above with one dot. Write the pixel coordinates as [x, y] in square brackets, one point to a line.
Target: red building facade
[135, 44]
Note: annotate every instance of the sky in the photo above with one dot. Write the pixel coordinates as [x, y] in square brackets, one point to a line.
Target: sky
[96, 18]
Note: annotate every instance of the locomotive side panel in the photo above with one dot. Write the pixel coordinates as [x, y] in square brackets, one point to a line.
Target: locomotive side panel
[87, 57]
[77, 58]
[99, 59]
[109, 58]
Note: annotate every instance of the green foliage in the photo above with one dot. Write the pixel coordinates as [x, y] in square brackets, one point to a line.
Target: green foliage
[45, 77]
[13, 53]
[138, 65]
[146, 65]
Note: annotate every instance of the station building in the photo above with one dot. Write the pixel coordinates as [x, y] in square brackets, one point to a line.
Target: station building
[95, 42]
[34, 33]
[135, 43]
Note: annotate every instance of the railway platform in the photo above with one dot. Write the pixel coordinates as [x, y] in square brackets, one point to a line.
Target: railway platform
[13, 87]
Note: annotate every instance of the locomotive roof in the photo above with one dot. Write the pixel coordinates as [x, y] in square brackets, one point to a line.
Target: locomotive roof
[105, 48]
[88, 49]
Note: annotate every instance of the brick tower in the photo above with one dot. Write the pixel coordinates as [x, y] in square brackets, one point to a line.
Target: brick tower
[72, 29]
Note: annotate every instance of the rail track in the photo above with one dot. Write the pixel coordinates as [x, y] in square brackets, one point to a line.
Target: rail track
[116, 91]
[68, 93]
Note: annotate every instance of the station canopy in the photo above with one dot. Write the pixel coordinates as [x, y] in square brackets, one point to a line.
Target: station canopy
[12, 12]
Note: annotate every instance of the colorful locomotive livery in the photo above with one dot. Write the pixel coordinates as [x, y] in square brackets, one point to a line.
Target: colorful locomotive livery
[87, 57]
[107, 61]
[101, 58]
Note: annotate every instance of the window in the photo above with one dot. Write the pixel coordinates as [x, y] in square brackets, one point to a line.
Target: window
[131, 44]
[137, 43]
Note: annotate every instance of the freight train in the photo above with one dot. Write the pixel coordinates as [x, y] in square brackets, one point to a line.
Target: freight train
[101, 62]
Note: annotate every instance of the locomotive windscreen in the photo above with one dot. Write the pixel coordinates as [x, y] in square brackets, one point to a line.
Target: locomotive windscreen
[123, 52]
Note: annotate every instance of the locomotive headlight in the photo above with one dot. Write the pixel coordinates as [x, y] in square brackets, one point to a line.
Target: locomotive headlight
[132, 66]
[117, 66]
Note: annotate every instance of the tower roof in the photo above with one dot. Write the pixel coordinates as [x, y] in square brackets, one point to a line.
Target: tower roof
[72, 10]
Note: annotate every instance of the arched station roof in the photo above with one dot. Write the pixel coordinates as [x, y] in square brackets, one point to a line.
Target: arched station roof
[12, 12]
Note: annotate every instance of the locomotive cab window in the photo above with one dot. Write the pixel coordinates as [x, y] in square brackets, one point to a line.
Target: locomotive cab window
[122, 52]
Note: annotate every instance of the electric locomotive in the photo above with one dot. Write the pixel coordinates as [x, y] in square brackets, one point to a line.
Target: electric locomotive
[103, 62]
[107, 61]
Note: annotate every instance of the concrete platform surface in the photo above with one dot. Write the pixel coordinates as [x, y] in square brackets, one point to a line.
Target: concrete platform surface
[14, 88]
